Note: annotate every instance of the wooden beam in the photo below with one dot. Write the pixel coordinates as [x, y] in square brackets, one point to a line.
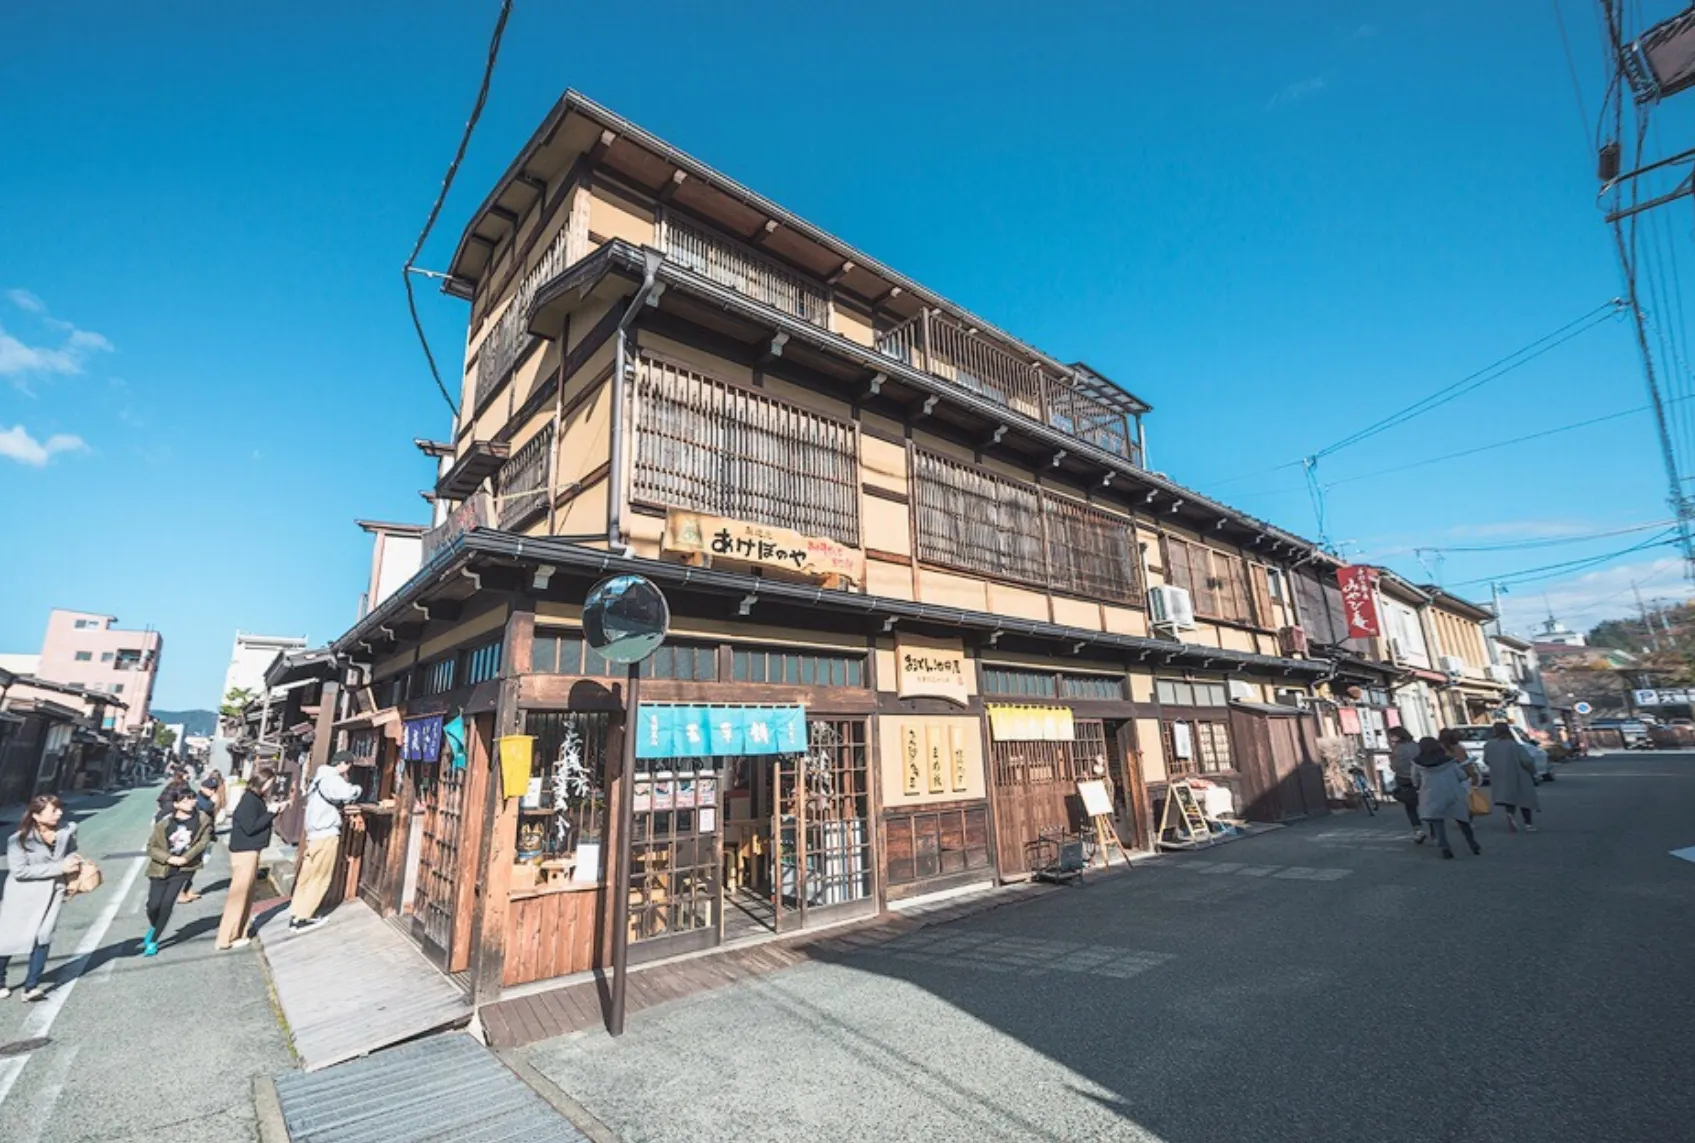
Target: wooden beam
[510, 217]
[529, 180]
[673, 185]
[759, 237]
[840, 272]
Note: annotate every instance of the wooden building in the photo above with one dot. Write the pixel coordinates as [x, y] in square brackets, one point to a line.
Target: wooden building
[921, 580]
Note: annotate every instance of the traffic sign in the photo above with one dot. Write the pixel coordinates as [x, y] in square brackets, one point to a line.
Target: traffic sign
[1583, 708]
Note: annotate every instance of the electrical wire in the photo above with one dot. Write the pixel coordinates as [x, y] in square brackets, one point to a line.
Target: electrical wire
[1494, 370]
[1550, 571]
[1571, 70]
[441, 198]
[1550, 541]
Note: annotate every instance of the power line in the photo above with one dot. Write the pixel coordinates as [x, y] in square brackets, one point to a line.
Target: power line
[1495, 369]
[441, 197]
[1549, 571]
[1547, 541]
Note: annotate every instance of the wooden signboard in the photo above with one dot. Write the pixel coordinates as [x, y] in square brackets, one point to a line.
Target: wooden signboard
[817, 558]
[1183, 816]
[1097, 803]
[931, 668]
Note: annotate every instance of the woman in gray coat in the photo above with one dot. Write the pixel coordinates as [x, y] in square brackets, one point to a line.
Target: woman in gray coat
[40, 855]
[1444, 785]
[1512, 776]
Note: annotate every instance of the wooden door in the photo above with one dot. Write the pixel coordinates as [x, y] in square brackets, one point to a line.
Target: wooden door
[442, 789]
[1034, 784]
[1130, 789]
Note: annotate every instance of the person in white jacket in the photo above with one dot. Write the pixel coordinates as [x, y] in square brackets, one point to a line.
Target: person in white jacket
[329, 791]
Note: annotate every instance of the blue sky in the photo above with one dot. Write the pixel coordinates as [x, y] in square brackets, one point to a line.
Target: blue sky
[1274, 223]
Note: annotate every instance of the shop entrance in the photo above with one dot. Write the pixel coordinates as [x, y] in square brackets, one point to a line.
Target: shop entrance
[797, 842]
[1034, 784]
[448, 798]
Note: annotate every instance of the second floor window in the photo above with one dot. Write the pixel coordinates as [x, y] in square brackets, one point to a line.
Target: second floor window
[437, 677]
[708, 446]
[483, 663]
[796, 668]
[85, 656]
[1217, 582]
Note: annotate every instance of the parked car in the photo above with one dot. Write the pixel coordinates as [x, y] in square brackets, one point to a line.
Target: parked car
[1475, 737]
[1633, 731]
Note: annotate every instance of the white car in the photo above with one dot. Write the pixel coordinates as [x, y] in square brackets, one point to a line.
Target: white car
[1475, 737]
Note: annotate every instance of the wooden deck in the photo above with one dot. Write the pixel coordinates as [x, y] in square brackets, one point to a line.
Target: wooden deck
[354, 984]
[579, 1007]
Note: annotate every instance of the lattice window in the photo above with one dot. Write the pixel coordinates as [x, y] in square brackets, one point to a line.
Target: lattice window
[1217, 582]
[1091, 553]
[1195, 747]
[796, 668]
[708, 446]
[690, 662]
[1015, 683]
[970, 520]
[522, 483]
[558, 652]
[482, 663]
[1108, 687]
[838, 813]
[436, 678]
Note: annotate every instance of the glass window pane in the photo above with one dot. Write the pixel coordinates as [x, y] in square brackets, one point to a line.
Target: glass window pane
[738, 666]
[544, 654]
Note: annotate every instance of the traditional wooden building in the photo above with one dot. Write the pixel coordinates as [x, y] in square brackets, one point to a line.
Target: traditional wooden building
[922, 582]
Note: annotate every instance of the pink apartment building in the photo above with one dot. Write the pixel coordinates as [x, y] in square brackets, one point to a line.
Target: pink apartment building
[87, 649]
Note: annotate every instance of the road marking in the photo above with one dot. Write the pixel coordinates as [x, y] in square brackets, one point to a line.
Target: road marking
[51, 1087]
[44, 1012]
[1688, 854]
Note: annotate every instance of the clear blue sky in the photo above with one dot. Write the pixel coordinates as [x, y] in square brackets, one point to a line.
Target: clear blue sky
[1274, 222]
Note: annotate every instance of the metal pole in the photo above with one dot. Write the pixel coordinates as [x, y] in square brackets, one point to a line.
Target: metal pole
[621, 878]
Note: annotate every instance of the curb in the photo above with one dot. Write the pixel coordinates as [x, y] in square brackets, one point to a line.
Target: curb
[579, 1116]
[267, 1109]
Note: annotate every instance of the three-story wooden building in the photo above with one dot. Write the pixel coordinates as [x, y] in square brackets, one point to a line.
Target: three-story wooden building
[922, 582]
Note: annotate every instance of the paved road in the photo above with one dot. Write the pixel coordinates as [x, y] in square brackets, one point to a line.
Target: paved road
[1324, 983]
[138, 1050]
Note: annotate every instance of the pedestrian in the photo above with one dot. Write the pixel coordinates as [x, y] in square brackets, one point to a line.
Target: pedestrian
[1443, 784]
[1512, 776]
[173, 854]
[41, 854]
[328, 792]
[209, 800]
[250, 833]
[1401, 765]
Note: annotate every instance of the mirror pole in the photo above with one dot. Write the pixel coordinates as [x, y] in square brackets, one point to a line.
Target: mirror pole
[621, 879]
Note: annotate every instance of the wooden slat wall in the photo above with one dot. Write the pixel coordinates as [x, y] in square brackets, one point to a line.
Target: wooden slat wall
[550, 935]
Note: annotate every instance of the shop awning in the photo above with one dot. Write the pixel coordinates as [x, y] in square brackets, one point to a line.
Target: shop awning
[719, 731]
[1031, 723]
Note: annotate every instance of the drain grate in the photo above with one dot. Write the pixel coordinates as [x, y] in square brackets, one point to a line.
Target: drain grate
[23, 1047]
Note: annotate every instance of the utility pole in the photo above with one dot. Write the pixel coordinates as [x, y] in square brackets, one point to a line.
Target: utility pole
[1495, 594]
[1647, 625]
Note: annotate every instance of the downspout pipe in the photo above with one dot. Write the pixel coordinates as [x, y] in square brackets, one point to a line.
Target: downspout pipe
[651, 260]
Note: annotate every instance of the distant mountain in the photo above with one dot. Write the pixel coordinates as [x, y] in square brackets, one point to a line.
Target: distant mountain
[195, 723]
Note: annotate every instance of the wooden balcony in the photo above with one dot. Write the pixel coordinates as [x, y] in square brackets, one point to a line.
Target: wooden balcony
[1083, 404]
[729, 263]
[507, 341]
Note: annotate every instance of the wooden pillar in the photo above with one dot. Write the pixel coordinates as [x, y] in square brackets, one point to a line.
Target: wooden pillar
[499, 819]
[323, 741]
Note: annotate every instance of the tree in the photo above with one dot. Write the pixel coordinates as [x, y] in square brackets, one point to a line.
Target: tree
[163, 736]
[236, 702]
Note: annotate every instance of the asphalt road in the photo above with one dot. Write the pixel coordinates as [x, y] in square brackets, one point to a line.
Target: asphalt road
[155, 1050]
[1324, 983]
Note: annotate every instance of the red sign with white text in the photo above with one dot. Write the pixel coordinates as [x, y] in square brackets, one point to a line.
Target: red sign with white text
[1359, 600]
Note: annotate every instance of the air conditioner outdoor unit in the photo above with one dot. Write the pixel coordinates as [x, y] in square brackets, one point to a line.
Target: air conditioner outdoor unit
[1172, 607]
[1452, 665]
[1498, 673]
[1242, 692]
[1293, 640]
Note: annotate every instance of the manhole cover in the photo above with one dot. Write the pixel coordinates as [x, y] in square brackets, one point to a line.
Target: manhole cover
[123, 853]
[23, 1047]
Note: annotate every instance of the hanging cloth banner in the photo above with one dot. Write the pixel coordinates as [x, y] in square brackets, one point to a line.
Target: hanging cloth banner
[719, 731]
[454, 733]
[1031, 723]
[422, 739]
[1359, 600]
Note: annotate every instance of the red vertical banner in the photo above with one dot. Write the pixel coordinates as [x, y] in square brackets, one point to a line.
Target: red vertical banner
[1359, 600]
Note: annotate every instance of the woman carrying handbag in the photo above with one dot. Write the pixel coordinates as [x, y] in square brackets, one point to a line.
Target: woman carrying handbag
[42, 858]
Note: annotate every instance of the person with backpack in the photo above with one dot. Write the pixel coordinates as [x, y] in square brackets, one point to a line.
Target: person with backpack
[174, 853]
[40, 855]
[328, 792]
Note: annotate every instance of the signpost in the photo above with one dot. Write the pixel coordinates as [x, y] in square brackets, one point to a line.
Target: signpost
[1583, 708]
[625, 619]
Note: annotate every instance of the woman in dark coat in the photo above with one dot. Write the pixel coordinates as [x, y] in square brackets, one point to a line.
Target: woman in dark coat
[1444, 786]
[250, 833]
[1512, 776]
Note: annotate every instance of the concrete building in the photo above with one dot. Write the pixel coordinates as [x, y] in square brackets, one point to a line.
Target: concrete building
[88, 649]
[251, 655]
[1524, 670]
[396, 553]
[1551, 630]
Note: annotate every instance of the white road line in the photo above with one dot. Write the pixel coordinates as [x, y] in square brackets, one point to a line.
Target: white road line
[42, 1014]
[51, 1087]
[1688, 854]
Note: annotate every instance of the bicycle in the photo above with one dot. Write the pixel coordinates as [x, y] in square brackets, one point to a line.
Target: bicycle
[1363, 790]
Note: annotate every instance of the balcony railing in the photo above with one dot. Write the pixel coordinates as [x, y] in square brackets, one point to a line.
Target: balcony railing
[522, 484]
[509, 338]
[943, 347]
[763, 279]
